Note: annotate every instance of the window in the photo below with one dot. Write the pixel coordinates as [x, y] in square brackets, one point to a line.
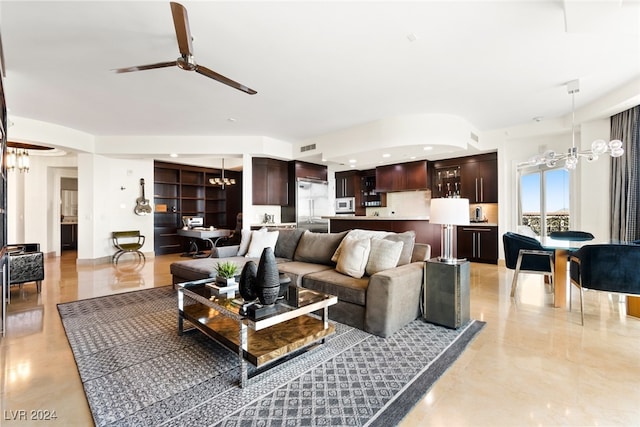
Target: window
[544, 199]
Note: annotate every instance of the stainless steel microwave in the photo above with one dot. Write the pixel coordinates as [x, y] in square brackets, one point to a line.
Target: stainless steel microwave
[345, 205]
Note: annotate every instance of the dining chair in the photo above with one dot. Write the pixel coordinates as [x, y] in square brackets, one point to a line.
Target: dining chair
[607, 268]
[577, 236]
[526, 255]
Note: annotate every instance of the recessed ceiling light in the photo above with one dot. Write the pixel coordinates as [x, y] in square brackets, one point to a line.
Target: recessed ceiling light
[427, 148]
[538, 119]
[173, 155]
[412, 37]
[386, 155]
[232, 119]
[352, 160]
[412, 157]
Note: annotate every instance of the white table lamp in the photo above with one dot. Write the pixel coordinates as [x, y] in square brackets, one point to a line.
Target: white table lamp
[449, 212]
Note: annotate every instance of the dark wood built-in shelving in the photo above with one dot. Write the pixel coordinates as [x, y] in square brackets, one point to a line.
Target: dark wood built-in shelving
[183, 190]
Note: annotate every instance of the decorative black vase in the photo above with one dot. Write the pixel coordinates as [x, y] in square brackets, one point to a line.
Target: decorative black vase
[246, 286]
[267, 285]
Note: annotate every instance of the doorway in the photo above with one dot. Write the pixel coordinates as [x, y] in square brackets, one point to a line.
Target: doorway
[68, 214]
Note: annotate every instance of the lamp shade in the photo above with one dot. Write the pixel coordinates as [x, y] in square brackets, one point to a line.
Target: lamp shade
[454, 211]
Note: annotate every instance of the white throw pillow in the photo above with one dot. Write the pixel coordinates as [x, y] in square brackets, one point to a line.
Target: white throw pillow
[384, 255]
[261, 240]
[353, 257]
[244, 241]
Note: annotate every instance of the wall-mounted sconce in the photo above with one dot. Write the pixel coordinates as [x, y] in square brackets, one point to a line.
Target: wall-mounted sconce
[17, 158]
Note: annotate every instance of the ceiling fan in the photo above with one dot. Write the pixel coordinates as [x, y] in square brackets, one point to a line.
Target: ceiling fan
[186, 61]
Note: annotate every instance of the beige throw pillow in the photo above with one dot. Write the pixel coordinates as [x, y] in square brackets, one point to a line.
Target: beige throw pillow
[245, 240]
[359, 234]
[384, 255]
[408, 238]
[353, 257]
[261, 240]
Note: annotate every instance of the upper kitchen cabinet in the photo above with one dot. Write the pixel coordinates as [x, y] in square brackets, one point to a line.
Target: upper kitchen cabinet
[479, 179]
[347, 184]
[270, 181]
[402, 177]
[306, 170]
[472, 177]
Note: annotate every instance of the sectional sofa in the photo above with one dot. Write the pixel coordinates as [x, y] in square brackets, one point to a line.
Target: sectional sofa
[377, 276]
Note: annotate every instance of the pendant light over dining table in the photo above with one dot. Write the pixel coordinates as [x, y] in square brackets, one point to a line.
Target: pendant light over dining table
[571, 157]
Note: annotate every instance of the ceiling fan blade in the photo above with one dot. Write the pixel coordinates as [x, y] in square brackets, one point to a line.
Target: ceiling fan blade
[181, 24]
[222, 79]
[145, 67]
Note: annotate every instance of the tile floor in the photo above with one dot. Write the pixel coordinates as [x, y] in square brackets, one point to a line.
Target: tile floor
[532, 365]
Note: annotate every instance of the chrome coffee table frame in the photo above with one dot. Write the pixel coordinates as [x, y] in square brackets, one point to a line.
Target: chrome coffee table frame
[220, 319]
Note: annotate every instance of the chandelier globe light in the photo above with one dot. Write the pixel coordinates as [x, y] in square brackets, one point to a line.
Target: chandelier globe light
[599, 147]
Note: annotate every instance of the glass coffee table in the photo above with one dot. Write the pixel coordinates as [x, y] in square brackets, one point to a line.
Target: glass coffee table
[263, 341]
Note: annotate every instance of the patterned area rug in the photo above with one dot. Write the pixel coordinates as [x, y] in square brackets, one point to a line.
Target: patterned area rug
[136, 370]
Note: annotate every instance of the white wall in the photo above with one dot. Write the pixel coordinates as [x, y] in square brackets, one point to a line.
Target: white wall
[107, 193]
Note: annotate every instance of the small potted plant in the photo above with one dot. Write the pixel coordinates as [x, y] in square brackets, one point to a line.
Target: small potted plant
[226, 273]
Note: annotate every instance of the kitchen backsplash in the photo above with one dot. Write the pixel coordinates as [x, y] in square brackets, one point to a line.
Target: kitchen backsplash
[417, 204]
[405, 204]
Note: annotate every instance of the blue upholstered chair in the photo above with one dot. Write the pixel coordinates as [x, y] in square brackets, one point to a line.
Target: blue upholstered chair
[606, 268]
[578, 236]
[526, 255]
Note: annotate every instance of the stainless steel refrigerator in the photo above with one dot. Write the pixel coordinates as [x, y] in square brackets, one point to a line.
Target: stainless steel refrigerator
[312, 203]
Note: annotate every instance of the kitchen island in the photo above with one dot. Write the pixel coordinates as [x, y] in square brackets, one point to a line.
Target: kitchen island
[425, 231]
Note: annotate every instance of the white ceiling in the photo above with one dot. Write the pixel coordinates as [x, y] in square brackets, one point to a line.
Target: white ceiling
[318, 67]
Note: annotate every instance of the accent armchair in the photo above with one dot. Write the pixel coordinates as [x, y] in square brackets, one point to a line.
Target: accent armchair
[607, 268]
[526, 255]
[127, 242]
[26, 264]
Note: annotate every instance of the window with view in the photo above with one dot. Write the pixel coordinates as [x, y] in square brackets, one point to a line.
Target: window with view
[544, 200]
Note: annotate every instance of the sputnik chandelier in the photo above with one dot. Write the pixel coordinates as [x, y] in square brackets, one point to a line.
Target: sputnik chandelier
[571, 157]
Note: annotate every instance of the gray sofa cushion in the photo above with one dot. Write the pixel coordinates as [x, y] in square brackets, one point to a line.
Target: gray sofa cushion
[318, 248]
[409, 240]
[331, 282]
[296, 270]
[203, 268]
[288, 242]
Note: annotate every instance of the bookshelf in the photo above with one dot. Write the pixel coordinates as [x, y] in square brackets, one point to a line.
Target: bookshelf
[184, 190]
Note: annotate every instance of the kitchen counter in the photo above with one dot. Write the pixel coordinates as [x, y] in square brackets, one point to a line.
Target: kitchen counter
[273, 225]
[376, 218]
[425, 231]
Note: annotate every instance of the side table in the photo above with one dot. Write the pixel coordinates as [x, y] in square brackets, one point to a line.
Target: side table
[446, 292]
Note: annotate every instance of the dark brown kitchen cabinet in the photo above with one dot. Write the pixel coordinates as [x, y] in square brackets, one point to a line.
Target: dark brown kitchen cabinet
[478, 243]
[347, 184]
[402, 177]
[479, 180]
[307, 170]
[370, 197]
[69, 236]
[270, 181]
